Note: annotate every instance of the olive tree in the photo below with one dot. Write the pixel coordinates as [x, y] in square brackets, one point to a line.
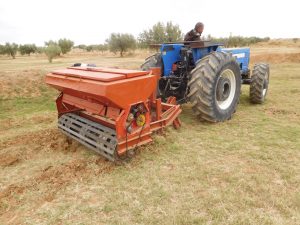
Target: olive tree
[52, 51]
[102, 48]
[121, 43]
[173, 32]
[2, 51]
[51, 42]
[65, 45]
[9, 49]
[160, 33]
[27, 49]
[89, 48]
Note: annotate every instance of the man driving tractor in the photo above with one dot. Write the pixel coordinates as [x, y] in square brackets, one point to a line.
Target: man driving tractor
[195, 34]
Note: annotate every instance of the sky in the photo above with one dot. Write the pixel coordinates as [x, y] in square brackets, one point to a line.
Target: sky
[92, 21]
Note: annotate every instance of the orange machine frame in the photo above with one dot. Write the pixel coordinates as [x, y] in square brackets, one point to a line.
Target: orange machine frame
[106, 96]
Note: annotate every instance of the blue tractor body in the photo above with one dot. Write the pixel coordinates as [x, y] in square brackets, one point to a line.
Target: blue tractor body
[208, 76]
[177, 61]
[242, 56]
[171, 54]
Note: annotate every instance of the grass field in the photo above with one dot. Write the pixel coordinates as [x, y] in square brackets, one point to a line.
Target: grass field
[244, 171]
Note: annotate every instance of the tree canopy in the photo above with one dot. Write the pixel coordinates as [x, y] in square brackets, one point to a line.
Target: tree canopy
[121, 43]
[27, 49]
[9, 49]
[65, 45]
[52, 51]
[160, 33]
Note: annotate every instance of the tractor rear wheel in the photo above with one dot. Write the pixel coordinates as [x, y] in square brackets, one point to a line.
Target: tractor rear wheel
[152, 61]
[259, 83]
[214, 87]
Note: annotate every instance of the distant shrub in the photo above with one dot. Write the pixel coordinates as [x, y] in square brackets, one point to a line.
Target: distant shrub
[2, 50]
[238, 41]
[40, 50]
[99, 48]
[295, 40]
[102, 47]
[83, 47]
[9, 49]
[27, 49]
[52, 51]
[89, 48]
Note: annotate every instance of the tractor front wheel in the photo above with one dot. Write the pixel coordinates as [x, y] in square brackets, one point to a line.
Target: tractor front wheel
[259, 83]
[214, 87]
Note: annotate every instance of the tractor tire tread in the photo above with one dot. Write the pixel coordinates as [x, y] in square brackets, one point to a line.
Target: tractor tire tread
[151, 61]
[257, 83]
[202, 82]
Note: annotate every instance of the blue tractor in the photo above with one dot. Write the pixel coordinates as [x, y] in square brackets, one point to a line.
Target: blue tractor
[208, 76]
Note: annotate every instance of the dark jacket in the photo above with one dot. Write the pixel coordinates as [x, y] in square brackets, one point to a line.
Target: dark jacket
[192, 36]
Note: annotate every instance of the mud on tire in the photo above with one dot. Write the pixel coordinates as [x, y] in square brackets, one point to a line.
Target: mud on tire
[214, 87]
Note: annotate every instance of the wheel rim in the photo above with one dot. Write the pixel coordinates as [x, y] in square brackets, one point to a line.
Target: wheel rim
[226, 87]
[266, 84]
[264, 91]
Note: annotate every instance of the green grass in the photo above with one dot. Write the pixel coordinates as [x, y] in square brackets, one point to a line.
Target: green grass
[243, 171]
[13, 108]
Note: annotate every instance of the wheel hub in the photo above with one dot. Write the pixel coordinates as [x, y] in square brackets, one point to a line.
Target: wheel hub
[223, 89]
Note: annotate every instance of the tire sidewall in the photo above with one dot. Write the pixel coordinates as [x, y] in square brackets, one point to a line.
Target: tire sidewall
[258, 79]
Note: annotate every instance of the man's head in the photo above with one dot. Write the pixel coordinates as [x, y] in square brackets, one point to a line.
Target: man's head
[199, 27]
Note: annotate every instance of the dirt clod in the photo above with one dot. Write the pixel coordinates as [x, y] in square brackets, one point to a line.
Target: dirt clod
[8, 160]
